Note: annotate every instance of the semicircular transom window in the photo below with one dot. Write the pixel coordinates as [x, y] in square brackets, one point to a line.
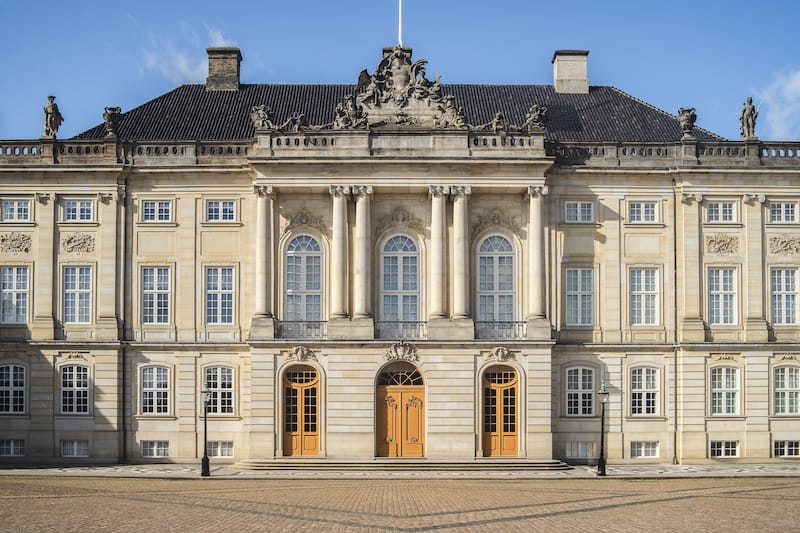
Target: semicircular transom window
[400, 243]
[301, 375]
[496, 243]
[500, 375]
[400, 374]
[303, 243]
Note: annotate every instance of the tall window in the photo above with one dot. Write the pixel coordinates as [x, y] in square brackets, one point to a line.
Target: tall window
[786, 390]
[400, 285]
[580, 391]
[642, 212]
[783, 295]
[78, 210]
[74, 389]
[496, 280]
[644, 296]
[155, 390]
[77, 293]
[219, 295]
[15, 210]
[782, 212]
[580, 297]
[14, 295]
[579, 212]
[644, 391]
[720, 212]
[724, 390]
[304, 280]
[722, 295]
[220, 385]
[12, 389]
[155, 295]
[220, 211]
[156, 211]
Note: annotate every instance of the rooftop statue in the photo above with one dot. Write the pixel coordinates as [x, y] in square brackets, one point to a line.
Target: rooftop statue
[111, 119]
[686, 119]
[349, 115]
[747, 119]
[261, 115]
[535, 119]
[52, 117]
[448, 116]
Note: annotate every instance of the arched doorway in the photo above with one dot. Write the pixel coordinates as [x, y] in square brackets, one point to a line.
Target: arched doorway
[500, 412]
[301, 411]
[400, 397]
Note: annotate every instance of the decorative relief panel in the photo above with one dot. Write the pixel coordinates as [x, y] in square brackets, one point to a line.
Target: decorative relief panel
[787, 357]
[402, 351]
[80, 356]
[301, 353]
[722, 243]
[81, 243]
[500, 354]
[732, 357]
[306, 218]
[399, 217]
[496, 218]
[784, 244]
[15, 243]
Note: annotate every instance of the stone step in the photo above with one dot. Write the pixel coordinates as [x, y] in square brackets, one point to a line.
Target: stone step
[399, 464]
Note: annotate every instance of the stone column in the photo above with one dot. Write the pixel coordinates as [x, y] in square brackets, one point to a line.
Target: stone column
[436, 309]
[538, 325]
[753, 306]
[262, 325]
[362, 279]
[338, 278]
[461, 263]
[689, 250]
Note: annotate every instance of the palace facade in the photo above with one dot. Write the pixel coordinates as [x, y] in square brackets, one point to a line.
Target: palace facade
[399, 268]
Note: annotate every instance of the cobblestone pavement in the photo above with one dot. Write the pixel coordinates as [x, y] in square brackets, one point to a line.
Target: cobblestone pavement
[67, 503]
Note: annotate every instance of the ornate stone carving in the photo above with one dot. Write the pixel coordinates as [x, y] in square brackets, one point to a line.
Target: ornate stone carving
[448, 117]
[350, 115]
[784, 244]
[787, 356]
[686, 119]
[535, 119]
[15, 243]
[361, 190]
[261, 116]
[751, 198]
[52, 117]
[496, 218]
[43, 197]
[262, 190]
[437, 191]
[414, 403]
[122, 193]
[460, 191]
[399, 217]
[722, 243]
[500, 354]
[498, 124]
[78, 243]
[402, 351]
[306, 218]
[725, 357]
[105, 197]
[537, 190]
[747, 119]
[688, 198]
[111, 119]
[301, 353]
[83, 356]
[337, 191]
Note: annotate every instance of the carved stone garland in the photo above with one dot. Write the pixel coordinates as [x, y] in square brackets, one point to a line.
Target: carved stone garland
[402, 351]
[15, 243]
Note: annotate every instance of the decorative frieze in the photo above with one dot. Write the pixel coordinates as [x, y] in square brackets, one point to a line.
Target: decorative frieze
[399, 217]
[301, 353]
[722, 243]
[80, 243]
[402, 351]
[731, 357]
[305, 218]
[787, 356]
[80, 356]
[15, 243]
[496, 219]
[500, 354]
[784, 244]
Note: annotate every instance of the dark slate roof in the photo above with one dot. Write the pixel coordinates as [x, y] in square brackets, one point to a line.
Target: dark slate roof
[192, 113]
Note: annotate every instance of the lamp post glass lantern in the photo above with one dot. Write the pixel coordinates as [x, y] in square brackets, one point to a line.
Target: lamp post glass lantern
[205, 466]
[601, 463]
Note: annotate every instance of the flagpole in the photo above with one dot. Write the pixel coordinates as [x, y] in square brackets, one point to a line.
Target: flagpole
[400, 23]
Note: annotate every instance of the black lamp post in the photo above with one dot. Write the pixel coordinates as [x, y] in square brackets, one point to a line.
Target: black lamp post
[205, 467]
[601, 463]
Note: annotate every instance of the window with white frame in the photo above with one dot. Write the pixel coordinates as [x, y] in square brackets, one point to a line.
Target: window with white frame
[580, 297]
[155, 295]
[155, 390]
[787, 448]
[786, 390]
[724, 448]
[783, 295]
[74, 389]
[720, 212]
[643, 296]
[12, 447]
[78, 210]
[579, 212]
[304, 280]
[220, 448]
[13, 294]
[77, 294]
[724, 390]
[644, 391]
[400, 280]
[220, 211]
[496, 292]
[15, 210]
[74, 448]
[219, 380]
[156, 211]
[581, 450]
[643, 449]
[782, 212]
[219, 295]
[642, 211]
[155, 448]
[580, 391]
[12, 389]
[722, 296]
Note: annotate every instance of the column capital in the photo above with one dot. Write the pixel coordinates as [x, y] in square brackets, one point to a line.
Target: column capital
[438, 191]
[262, 190]
[460, 191]
[752, 198]
[338, 191]
[122, 192]
[361, 190]
[688, 198]
[535, 191]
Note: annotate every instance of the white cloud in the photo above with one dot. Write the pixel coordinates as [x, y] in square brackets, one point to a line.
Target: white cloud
[781, 107]
[181, 57]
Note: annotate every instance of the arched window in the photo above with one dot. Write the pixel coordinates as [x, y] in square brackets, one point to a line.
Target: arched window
[12, 389]
[496, 288]
[399, 288]
[74, 389]
[303, 310]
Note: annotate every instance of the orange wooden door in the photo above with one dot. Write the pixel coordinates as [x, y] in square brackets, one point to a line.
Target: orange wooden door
[301, 412]
[500, 412]
[401, 421]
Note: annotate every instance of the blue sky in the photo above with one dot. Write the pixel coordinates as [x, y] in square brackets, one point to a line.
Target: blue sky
[707, 55]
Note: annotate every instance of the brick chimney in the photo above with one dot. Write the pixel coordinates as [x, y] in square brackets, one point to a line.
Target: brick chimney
[223, 68]
[570, 71]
